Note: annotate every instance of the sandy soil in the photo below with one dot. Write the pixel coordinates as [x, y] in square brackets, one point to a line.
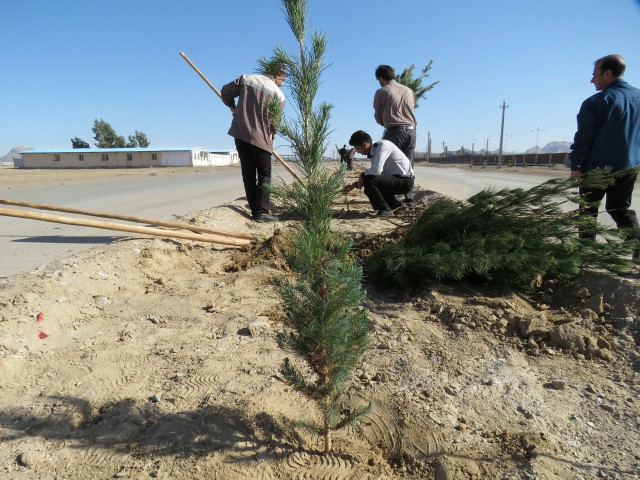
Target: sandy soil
[156, 358]
[24, 177]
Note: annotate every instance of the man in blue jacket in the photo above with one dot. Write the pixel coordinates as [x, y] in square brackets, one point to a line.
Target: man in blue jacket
[609, 136]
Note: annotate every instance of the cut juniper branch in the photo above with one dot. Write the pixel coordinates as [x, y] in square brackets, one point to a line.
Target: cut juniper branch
[510, 236]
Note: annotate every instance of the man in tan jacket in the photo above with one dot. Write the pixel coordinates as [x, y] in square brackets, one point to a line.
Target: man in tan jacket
[393, 104]
[253, 130]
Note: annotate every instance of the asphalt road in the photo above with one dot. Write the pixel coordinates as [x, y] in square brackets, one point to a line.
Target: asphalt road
[461, 183]
[27, 244]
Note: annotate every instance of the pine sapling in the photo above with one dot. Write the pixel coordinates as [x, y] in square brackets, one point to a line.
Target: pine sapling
[329, 332]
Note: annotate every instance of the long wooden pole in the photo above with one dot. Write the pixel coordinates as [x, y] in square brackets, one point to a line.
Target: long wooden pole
[129, 218]
[123, 228]
[275, 154]
[201, 74]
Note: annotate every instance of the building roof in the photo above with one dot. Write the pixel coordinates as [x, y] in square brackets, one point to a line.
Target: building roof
[126, 150]
[112, 150]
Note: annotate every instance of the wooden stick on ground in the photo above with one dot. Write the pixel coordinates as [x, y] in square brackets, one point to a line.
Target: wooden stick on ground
[129, 218]
[123, 228]
[275, 154]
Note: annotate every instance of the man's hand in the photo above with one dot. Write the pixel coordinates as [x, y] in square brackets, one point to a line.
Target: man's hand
[348, 188]
[357, 184]
[575, 173]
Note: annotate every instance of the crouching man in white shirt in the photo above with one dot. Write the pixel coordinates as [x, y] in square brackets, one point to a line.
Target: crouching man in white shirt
[390, 174]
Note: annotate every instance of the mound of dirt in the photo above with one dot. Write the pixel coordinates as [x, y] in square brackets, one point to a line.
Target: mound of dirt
[154, 358]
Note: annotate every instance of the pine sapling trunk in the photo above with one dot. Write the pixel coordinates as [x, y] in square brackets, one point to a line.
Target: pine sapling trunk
[327, 436]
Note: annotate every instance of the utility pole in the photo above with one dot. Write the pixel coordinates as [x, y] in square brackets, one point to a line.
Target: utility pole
[504, 106]
[537, 130]
[429, 146]
[485, 161]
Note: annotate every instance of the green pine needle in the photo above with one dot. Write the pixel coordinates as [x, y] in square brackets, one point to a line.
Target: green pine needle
[513, 237]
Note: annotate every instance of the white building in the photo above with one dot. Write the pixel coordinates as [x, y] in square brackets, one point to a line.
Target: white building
[125, 157]
[223, 157]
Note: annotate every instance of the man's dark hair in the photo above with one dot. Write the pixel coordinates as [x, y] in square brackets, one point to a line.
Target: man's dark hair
[359, 138]
[615, 63]
[385, 72]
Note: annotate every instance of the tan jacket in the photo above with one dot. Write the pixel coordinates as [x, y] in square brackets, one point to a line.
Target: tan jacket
[393, 105]
[250, 121]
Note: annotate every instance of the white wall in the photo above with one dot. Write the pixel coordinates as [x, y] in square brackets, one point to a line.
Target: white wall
[175, 159]
[118, 158]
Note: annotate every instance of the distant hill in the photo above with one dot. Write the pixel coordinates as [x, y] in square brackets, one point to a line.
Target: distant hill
[13, 154]
[552, 147]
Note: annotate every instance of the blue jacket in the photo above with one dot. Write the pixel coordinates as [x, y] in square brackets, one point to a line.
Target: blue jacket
[608, 129]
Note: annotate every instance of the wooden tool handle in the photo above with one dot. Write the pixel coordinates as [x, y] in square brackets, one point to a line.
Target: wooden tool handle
[123, 228]
[201, 74]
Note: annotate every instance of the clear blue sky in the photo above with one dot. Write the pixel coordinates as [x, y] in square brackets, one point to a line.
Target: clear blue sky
[68, 62]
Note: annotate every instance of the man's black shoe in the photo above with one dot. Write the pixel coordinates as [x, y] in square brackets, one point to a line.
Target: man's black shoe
[265, 217]
[385, 213]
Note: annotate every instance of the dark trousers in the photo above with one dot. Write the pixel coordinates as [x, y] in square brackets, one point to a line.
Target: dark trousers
[348, 159]
[350, 163]
[617, 203]
[255, 164]
[381, 190]
[405, 139]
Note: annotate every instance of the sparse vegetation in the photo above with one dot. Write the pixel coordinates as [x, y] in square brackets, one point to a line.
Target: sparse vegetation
[106, 137]
[79, 143]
